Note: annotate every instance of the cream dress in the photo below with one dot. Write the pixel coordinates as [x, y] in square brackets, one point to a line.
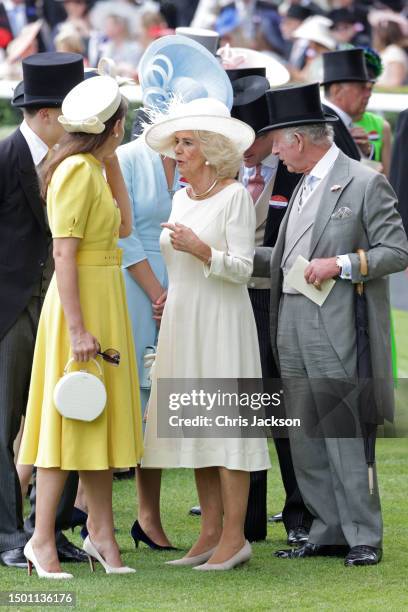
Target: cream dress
[208, 327]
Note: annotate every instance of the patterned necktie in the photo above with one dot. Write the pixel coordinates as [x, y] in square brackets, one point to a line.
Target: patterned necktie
[306, 190]
[256, 184]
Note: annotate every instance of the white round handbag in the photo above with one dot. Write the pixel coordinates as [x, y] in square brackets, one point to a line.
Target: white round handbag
[80, 395]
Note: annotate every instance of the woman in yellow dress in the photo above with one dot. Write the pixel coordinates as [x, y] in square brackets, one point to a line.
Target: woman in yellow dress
[84, 313]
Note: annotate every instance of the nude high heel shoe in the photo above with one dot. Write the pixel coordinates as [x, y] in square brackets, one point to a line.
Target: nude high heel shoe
[41, 573]
[192, 561]
[93, 555]
[242, 556]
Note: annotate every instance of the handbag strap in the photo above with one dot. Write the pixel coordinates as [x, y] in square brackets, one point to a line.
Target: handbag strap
[72, 360]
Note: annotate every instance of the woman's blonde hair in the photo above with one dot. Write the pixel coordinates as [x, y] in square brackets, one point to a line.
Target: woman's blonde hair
[218, 150]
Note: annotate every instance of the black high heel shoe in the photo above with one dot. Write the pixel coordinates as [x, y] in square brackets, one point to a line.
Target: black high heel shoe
[139, 535]
[78, 519]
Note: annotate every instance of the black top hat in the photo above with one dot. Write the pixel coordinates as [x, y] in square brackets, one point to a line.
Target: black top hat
[342, 15]
[297, 11]
[299, 105]
[250, 104]
[47, 78]
[240, 73]
[344, 66]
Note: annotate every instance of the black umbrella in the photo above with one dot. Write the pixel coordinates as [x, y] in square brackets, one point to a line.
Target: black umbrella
[367, 404]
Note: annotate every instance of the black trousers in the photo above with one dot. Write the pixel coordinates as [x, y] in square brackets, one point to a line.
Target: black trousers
[294, 513]
[16, 357]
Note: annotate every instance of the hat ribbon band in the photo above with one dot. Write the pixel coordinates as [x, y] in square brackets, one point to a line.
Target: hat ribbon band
[92, 125]
[230, 58]
[107, 67]
[157, 78]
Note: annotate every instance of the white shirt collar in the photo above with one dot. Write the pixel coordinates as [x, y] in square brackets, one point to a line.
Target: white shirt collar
[346, 119]
[324, 165]
[38, 148]
[271, 161]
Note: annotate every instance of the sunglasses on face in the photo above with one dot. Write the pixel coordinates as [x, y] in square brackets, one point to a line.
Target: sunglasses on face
[111, 356]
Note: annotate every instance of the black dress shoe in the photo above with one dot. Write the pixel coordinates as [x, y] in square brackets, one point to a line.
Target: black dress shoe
[363, 555]
[276, 518]
[312, 550]
[195, 511]
[13, 558]
[70, 553]
[300, 535]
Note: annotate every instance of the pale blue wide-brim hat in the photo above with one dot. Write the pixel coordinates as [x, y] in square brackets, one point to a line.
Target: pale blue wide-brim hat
[178, 67]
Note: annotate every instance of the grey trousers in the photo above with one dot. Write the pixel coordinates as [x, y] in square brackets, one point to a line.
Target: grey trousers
[331, 471]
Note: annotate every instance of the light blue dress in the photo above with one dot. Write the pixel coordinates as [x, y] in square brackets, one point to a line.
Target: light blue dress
[150, 198]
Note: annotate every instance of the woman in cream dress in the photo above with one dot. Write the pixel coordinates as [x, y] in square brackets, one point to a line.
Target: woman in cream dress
[208, 329]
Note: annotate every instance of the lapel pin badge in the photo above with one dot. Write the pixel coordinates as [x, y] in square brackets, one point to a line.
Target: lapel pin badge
[335, 187]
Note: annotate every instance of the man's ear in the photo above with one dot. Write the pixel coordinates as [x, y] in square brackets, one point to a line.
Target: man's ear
[335, 89]
[300, 141]
[44, 115]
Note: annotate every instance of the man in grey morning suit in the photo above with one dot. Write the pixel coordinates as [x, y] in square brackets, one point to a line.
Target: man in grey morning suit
[340, 206]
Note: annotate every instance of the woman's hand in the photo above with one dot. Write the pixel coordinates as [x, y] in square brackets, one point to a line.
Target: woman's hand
[158, 307]
[183, 238]
[84, 345]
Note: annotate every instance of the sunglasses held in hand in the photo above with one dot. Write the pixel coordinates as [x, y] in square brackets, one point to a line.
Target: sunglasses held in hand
[111, 356]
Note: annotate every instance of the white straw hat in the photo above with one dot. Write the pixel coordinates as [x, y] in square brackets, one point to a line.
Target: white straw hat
[233, 58]
[317, 29]
[206, 114]
[88, 105]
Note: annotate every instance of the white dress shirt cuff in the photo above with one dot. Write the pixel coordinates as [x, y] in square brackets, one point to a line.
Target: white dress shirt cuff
[345, 262]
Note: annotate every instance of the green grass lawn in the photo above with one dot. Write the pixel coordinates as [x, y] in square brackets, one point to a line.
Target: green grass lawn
[266, 583]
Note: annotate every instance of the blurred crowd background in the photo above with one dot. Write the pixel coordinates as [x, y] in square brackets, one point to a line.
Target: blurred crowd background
[295, 33]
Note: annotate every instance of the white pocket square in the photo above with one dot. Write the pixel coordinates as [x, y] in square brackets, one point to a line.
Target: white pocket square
[342, 213]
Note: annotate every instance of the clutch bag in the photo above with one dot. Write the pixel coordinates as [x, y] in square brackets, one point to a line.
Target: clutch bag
[80, 395]
[149, 357]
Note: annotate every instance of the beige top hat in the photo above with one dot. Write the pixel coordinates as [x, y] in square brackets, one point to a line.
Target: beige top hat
[237, 57]
[88, 105]
[317, 30]
[206, 114]
[20, 45]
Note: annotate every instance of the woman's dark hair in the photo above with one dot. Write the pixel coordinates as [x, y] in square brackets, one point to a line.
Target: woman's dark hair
[390, 33]
[73, 143]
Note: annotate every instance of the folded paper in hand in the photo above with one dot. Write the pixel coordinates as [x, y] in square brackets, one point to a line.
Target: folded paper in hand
[296, 279]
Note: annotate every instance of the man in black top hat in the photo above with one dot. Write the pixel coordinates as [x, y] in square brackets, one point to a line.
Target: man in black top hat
[271, 187]
[26, 266]
[347, 89]
[349, 27]
[338, 207]
[293, 18]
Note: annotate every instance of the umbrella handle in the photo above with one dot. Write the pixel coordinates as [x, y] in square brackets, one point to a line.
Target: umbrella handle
[371, 479]
[363, 269]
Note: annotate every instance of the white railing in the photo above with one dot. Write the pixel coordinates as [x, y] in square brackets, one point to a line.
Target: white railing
[392, 102]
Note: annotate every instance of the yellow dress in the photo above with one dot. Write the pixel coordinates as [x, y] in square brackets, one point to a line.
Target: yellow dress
[80, 205]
